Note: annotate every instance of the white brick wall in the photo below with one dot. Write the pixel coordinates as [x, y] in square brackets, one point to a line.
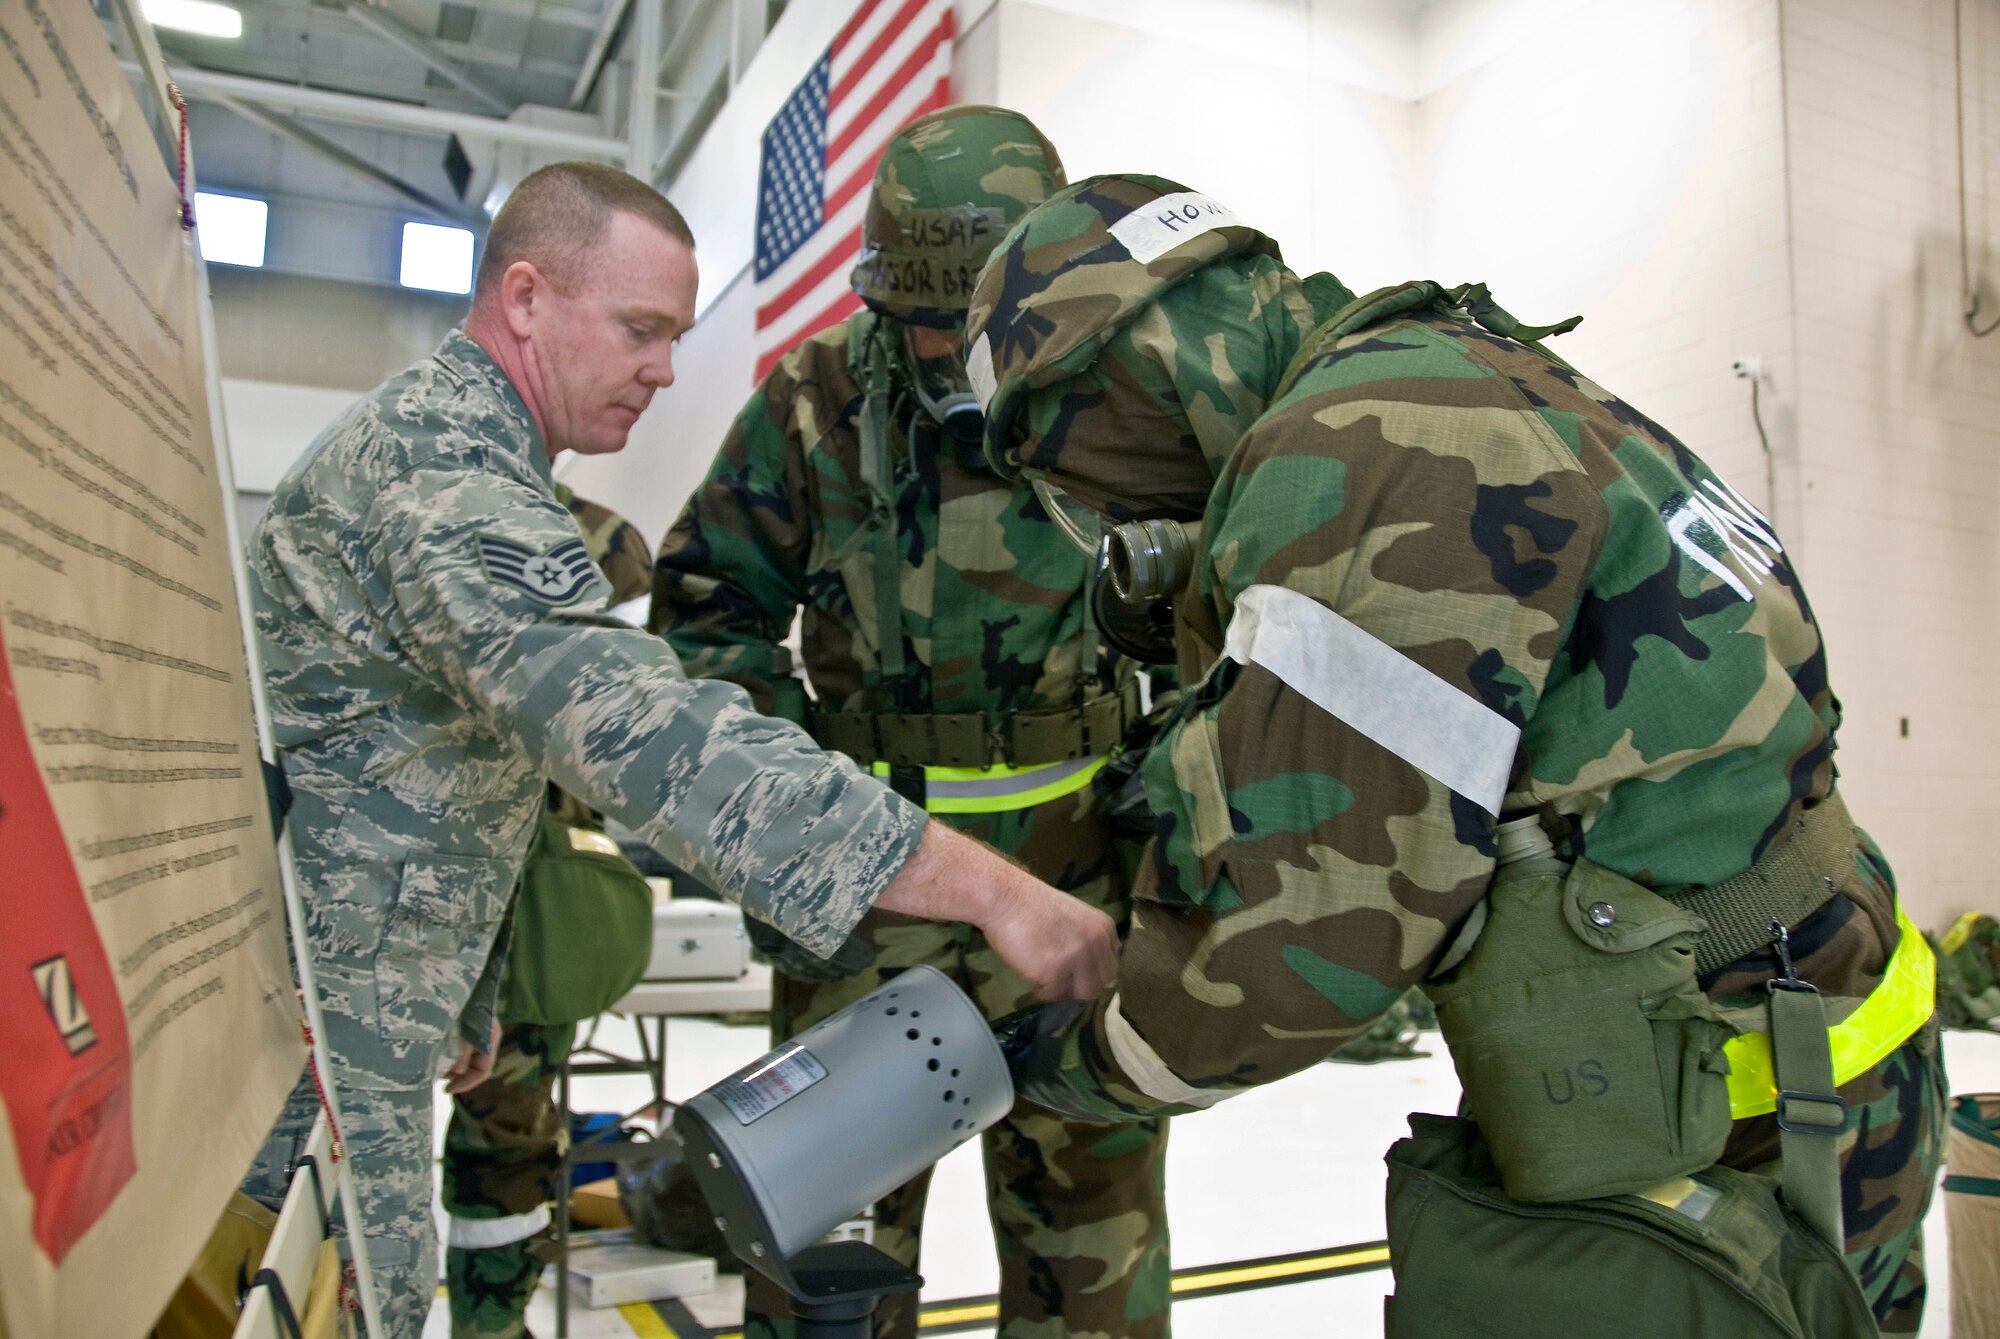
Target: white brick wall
[1701, 179]
[1626, 161]
[1898, 413]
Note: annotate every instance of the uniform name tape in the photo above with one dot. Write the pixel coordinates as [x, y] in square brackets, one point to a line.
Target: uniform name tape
[1155, 229]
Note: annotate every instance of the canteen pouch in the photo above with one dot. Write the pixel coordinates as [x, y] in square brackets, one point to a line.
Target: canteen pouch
[1717, 1253]
[583, 928]
[1587, 1053]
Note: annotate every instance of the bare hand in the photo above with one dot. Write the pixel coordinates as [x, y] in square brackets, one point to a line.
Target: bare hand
[473, 1066]
[1066, 949]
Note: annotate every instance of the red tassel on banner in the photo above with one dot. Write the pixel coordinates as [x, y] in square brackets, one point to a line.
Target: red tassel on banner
[181, 172]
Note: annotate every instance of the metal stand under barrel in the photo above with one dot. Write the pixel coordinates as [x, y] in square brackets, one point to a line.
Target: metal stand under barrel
[834, 1286]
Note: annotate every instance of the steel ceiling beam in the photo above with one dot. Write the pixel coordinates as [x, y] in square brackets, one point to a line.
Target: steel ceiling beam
[350, 160]
[397, 33]
[643, 120]
[350, 110]
[600, 49]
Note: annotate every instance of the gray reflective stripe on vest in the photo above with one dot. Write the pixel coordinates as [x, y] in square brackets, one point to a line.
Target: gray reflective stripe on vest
[1033, 778]
[949, 783]
[999, 790]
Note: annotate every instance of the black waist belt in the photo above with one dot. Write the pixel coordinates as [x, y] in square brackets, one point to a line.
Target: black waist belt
[963, 739]
[1796, 877]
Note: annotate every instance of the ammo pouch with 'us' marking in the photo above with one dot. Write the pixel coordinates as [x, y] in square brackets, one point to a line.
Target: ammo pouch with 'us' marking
[1589, 1056]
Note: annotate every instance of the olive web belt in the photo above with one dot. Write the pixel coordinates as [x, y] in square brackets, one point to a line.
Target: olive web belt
[963, 739]
[1795, 878]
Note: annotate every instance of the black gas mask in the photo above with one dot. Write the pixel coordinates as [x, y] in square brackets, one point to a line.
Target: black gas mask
[1138, 569]
[943, 388]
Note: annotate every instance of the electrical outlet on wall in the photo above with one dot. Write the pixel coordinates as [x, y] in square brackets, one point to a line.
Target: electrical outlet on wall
[1748, 365]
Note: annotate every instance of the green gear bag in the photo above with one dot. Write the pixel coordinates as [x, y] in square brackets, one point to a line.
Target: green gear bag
[1585, 1048]
[1717, 1253]
[1968, 973]
[583, 928]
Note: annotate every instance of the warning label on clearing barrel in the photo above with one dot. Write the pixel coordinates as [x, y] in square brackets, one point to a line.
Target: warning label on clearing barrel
[769, 1084]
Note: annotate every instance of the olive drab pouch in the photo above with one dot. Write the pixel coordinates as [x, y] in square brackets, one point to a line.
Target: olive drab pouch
[1716, 1253]
[583, 928]
[1587, 1053]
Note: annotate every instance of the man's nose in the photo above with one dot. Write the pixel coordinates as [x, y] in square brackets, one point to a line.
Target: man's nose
[658, 372]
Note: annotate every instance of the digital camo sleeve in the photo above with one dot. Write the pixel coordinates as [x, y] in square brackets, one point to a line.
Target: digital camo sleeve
[1396, 567]
[731, 572]
[493, 596]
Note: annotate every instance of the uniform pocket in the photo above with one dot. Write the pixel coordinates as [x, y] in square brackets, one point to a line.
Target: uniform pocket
[1587, 1054]
[440, 930]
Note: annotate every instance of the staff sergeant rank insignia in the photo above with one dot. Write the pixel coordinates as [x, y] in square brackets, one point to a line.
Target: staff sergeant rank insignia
[556, 576]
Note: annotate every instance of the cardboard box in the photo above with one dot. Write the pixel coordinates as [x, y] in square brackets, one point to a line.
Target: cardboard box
[596, 1205]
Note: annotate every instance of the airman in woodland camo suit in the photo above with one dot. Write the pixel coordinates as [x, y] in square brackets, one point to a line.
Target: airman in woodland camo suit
[504, 1145]
[947, 643]
[432, 634]
[1444, 580]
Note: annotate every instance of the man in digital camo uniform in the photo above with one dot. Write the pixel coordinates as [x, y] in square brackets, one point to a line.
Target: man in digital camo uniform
[1442, 581]
[504, 1145]
[946, 640]
[432, 638]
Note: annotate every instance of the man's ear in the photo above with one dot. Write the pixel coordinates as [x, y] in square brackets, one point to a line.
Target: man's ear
[521, 288]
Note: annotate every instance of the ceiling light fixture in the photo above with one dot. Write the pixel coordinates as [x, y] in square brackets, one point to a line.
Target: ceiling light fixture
[202, 17]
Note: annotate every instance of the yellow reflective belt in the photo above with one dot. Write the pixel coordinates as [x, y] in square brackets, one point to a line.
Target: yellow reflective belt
[996, 790]
[1893, 1011]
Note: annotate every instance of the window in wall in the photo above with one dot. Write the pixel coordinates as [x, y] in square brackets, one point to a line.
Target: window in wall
[437, 258]
[231, 228]
[200, 17]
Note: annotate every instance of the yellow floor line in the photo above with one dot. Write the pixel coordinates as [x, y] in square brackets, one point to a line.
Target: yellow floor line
[646, 1322]
[958, 1315]
[1222, 1278]
[933, 1318]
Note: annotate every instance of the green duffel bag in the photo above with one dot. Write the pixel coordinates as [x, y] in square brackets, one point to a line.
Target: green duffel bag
[1714, 1255]
[583, 928]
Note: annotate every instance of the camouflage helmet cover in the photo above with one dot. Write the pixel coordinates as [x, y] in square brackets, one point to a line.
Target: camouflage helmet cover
[1051, 312]
[948, 186]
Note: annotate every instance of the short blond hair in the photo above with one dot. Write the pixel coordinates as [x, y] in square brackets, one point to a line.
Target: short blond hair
[559, 213]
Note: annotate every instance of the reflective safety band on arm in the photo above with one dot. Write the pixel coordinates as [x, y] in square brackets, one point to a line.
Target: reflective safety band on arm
[1890, 1016]
[997, 790]
[1373, 688]
[1148, 1072]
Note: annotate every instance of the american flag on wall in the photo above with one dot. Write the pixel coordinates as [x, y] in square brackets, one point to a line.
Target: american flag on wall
[890, 64]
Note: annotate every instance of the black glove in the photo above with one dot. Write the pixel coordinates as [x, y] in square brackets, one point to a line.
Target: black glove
[1032, 1042]
[665, 1206]
[795, 960]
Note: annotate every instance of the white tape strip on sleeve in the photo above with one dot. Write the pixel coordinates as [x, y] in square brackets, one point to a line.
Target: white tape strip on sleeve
[1351, 674]
[1147, 1071]
[483, 1234]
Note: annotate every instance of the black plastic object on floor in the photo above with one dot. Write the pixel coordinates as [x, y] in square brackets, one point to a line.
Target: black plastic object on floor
[665, 1206]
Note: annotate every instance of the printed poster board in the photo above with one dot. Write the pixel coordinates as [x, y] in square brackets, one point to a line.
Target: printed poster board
[148, 1026]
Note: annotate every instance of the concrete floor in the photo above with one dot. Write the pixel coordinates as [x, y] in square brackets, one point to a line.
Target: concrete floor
[1295, 1167]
